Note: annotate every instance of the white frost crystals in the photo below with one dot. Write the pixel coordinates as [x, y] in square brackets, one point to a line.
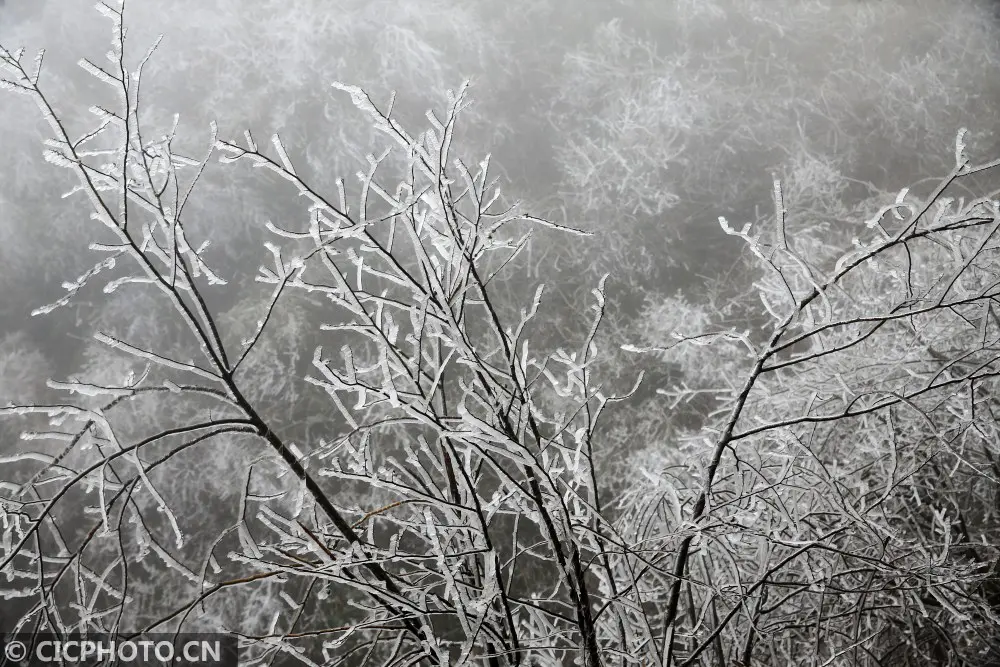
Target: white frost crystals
[432, 401]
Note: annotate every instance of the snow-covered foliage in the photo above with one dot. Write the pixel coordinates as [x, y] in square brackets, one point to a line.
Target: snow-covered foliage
[446, 502]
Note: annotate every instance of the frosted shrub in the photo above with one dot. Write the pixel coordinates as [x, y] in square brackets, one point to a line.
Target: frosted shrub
[442, 506]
